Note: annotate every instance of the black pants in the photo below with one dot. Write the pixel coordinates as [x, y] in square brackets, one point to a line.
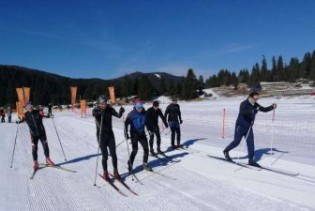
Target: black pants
[108, 141]
[42, 139]
[155, 131]
[2, 119]
[135, 138]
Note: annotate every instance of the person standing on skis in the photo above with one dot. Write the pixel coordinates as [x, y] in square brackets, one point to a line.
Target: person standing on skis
[2, 114]
[244, 126]
[34, 121]
[152, 115]
[104, 132]
[137, 121]
[9, 113]
[174, 118]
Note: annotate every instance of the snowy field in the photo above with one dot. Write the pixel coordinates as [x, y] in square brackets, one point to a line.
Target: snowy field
[284, 140]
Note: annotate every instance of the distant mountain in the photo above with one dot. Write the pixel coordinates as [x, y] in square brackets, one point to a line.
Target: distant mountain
[48, 87]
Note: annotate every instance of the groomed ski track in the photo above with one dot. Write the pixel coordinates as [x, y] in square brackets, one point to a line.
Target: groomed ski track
[202, 183]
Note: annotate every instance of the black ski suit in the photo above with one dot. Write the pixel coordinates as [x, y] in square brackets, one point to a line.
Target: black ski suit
[152, 116]
[34, 121]
[105, 134]
[174, 118]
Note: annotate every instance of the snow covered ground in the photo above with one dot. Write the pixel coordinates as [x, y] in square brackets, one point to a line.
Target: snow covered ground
[197, 182]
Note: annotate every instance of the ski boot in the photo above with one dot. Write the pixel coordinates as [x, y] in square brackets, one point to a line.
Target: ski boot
[49, 162]
[226, 155]
[106, 176]
[147, 167]
[35, 165]
[116, 175]
[152, 153]
[160, 152]
[253, 163]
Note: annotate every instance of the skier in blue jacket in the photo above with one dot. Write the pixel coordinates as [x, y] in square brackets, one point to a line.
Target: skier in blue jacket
[244, 126]
[137, 121]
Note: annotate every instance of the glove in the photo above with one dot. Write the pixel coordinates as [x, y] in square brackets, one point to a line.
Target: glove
[17, 122]
[121, 110]
[274, 106]
[181, 121]
[166, 125]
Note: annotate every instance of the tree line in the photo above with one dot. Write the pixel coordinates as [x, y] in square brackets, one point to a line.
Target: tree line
[50, 88]
[279, 71]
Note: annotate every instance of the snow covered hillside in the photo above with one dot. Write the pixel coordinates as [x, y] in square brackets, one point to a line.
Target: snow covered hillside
[284, 140]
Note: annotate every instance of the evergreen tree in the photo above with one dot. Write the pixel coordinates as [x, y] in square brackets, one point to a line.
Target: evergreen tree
[306, 65]
[255, 76]
[281, 69]
[190, 86]
[145, 88]
[274, 70]
[264, 76]
[243, 76]
[292, 72]
[201, 84]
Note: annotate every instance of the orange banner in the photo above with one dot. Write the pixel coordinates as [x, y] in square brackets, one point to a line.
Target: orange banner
[19, 109]
[23, 95]
[111, 91]
[20, 95]
[83, 108]
[73, 90]
[27, 93]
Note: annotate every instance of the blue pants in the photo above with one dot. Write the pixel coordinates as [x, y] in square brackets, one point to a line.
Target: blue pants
[175, 128]
[241, 132]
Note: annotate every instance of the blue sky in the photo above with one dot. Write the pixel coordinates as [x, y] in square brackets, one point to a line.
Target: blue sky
[108, 39]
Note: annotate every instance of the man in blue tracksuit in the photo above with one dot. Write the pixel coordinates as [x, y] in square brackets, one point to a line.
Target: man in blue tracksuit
[244, 126]
[137, 121]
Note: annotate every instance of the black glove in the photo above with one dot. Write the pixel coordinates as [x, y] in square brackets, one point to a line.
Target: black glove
[17, 122]
[181, 121]
[121, 110]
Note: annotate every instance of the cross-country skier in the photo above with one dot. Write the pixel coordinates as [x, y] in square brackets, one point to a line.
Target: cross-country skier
[174, 118]
[49, 110]
[244, 126]
[137, 121]
[34, 121]
[103, 118]
[152, 115]
[9, 113]
[2, 114]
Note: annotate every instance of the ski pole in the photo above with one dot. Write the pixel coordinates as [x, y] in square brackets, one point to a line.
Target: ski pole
[117, 145]
[98, 148]
[17, 130]
[128, 150]
[273, 125]
[58, 138]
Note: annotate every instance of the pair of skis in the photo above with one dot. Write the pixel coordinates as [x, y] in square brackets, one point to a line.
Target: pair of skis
[111, 183]
[266, 168]
[41, 166]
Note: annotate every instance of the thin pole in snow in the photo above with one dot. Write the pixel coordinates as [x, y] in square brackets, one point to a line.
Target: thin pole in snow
[17, 130]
